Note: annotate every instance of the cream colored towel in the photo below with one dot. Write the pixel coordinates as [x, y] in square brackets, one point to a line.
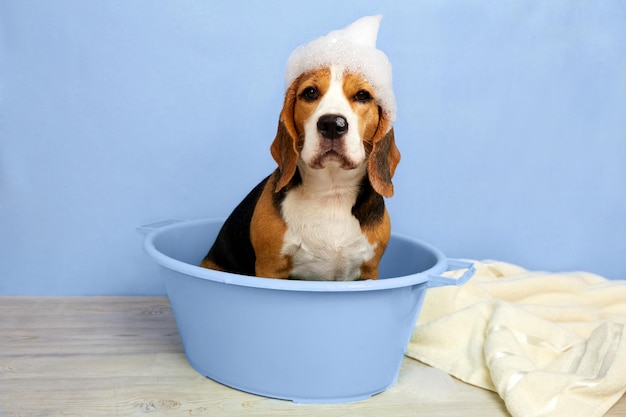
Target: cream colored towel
[549, 344]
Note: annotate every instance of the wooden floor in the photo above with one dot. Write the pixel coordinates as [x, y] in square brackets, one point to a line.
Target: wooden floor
[121, 356]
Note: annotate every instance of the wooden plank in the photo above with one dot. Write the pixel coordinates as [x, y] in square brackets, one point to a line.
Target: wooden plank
[121, 356]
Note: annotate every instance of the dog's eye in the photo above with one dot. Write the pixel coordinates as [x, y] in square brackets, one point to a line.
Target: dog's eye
[310, 94]
[363, 96]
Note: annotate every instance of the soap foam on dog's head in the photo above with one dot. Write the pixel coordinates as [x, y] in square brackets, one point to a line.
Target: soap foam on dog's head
[354, 48]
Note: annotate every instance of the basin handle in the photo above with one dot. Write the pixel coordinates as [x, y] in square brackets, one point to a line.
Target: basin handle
[150, 227]
[453, 265]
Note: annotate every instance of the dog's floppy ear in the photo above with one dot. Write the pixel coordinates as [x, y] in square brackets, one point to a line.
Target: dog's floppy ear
[383, 159]
[284, 148]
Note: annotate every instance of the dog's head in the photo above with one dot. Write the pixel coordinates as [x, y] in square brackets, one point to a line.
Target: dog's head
[331, 119]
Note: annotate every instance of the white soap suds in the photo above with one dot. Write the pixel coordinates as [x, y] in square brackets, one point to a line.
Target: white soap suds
[354, 48]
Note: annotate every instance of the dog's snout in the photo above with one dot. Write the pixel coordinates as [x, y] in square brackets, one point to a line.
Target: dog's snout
[332, 126]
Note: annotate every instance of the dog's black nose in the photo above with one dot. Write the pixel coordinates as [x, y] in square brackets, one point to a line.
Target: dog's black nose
[332, 126]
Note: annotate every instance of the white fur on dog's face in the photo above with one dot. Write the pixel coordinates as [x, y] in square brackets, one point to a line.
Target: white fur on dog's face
[333, 91]
[348, 152]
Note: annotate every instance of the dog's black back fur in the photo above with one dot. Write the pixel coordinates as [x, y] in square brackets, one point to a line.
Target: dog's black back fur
[233, 249]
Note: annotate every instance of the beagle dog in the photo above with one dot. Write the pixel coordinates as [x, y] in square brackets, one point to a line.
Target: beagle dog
[321, 214]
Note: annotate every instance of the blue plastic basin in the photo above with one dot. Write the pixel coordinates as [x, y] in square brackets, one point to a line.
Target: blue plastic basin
[305, 341]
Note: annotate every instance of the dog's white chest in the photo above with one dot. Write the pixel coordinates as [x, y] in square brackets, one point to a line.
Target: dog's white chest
[323, 238]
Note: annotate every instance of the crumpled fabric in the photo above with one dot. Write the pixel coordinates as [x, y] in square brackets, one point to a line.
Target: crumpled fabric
[550, 344]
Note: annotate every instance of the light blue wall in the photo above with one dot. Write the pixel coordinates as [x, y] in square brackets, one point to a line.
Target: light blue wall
[113, 114]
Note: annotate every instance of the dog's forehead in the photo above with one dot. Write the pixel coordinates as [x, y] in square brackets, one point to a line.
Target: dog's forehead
[323, 78]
